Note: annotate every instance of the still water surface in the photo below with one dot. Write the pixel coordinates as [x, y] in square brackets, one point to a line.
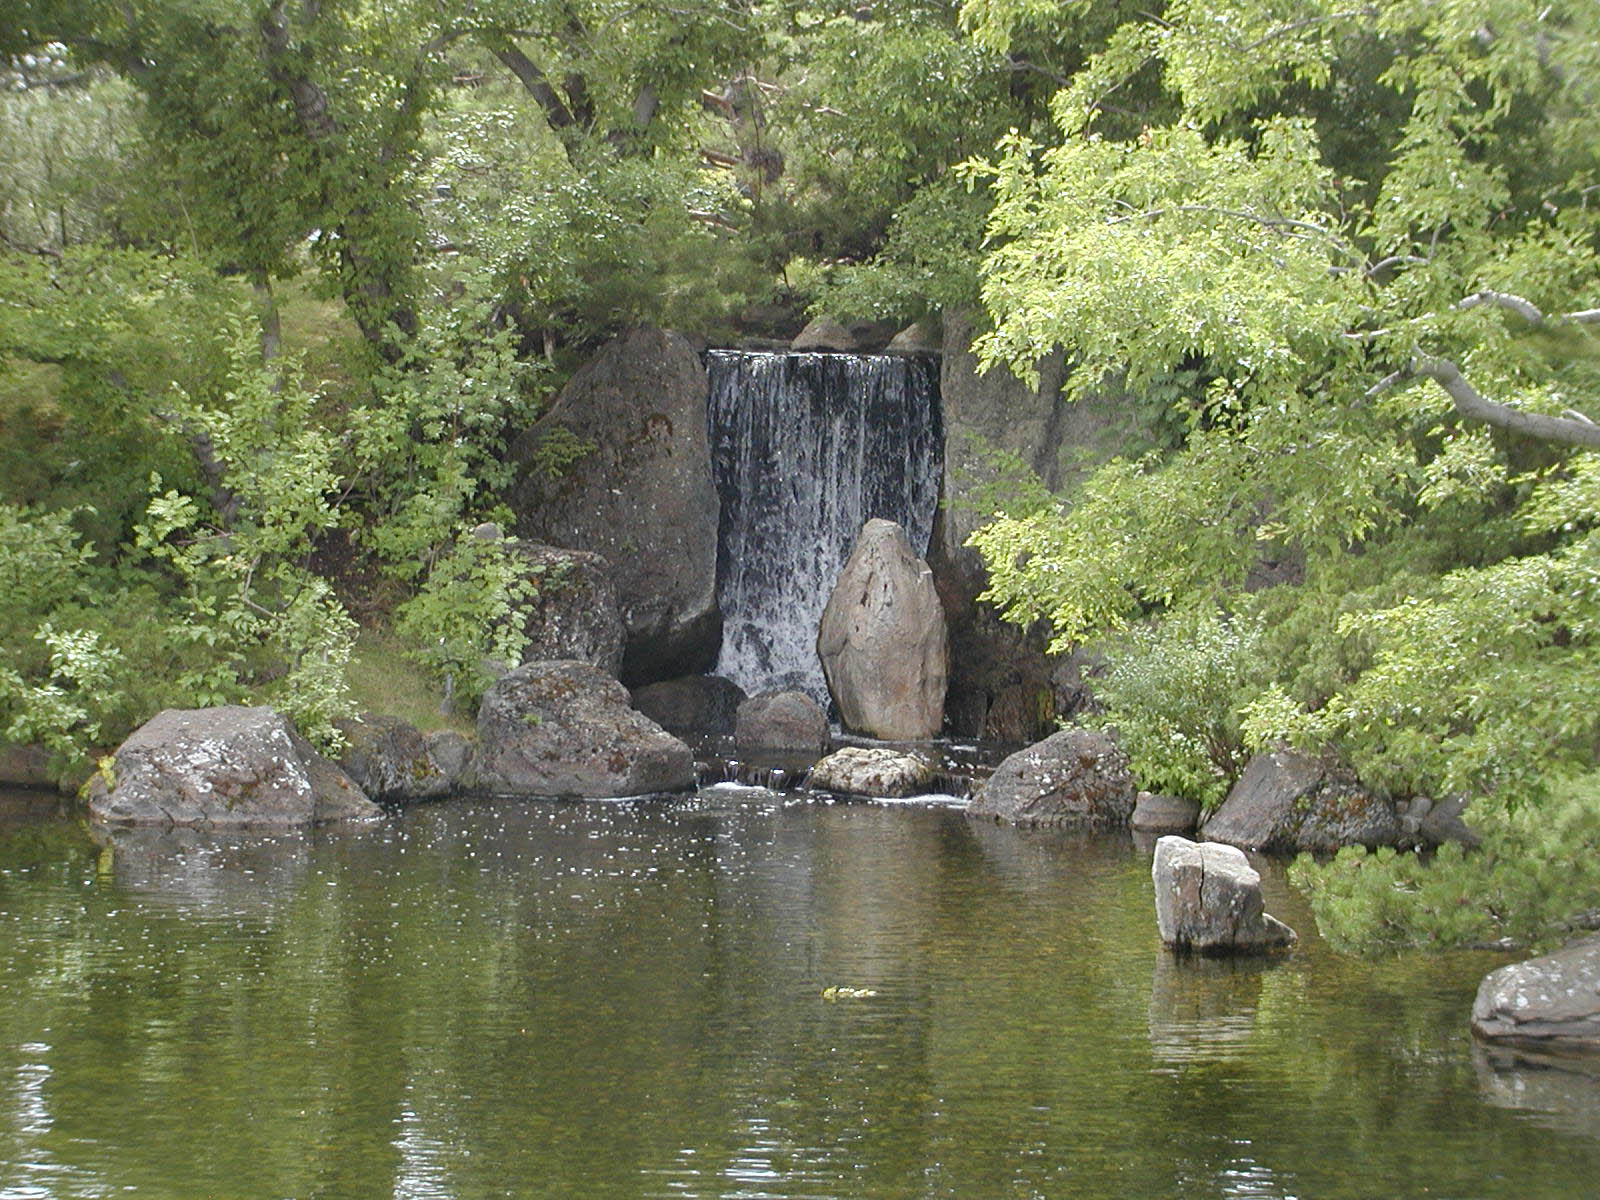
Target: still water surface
[608, 1000]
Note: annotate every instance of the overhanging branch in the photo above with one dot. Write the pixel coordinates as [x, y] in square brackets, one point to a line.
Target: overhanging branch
[1570, 430]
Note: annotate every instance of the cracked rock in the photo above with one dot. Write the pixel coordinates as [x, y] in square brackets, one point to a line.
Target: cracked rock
[1208, 900]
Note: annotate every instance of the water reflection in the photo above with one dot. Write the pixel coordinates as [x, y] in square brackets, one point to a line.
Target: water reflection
[179, 868]
[1203, 1009]
[479, 1000]
[1561, 1093]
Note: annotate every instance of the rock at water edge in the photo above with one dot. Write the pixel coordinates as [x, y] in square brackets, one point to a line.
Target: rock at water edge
[224, 768]
[1551, 1002]
[565, 729]
[1164, 814]
[691, 704]
[1208, 899]
[782, 721]
[1077, 776]
[389, 759]
[873, 771]
[1286, 802]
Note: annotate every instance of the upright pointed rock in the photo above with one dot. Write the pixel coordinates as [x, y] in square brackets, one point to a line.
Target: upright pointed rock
[882, 639]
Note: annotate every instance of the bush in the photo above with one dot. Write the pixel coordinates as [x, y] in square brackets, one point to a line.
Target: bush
[1536, 879]
[1174, 691]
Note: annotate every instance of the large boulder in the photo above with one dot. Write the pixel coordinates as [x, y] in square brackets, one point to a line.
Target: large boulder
[1208, 899]
[1549, 1003]
[574, 612]
[639, 492]
[1286, 802]
[390, 760]
[692, 704]
[565, 728]
[223, 768]
[873, 771]
[882, 639]
[788, 721]
[1075, 777]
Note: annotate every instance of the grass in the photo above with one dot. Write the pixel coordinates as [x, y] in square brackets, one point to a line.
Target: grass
[383, 680]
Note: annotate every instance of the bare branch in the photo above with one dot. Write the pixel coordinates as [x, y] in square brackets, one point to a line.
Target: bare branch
[533, 80]
[1394, 260]
[1472, 404]
[22, 248]
[1525, 309]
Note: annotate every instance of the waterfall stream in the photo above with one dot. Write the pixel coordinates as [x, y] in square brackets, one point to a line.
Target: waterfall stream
[805, 448]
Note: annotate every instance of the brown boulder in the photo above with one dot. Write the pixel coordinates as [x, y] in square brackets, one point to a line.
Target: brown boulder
[882, 639]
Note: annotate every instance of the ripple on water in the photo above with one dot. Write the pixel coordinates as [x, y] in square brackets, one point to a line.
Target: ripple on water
[543, 999]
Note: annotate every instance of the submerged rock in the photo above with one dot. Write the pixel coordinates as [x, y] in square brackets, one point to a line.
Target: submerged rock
[1208, 899]
[782, 721]
[873, 771]
[224, 768]
[1077, 776]
[390, 760]
[882, 639]
[565, 728]
[691, 704]
[639, 492]
[1551, 1002]
[1286, 802]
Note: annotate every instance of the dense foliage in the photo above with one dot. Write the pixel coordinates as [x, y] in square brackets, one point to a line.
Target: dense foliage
[1399, 331]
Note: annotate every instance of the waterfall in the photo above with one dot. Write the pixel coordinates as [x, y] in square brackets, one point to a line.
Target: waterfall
[805, 448]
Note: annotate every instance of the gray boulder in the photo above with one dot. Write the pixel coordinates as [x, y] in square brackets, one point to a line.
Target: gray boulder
[1164, 814]
[574, 613]
[390, 760]
[691, 704]
[640, 493]
[450, 752]
[1286, 802]
[1549, 1003]
[781, 721]
[919, 338]
[825, 334]
[873, 771]
[882, 639]
[1208, 899]
[565, 728]
[224, 768]
[1075, 777]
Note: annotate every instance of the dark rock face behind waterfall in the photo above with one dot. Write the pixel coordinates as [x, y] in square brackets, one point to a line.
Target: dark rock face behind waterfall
[639, 493]
[806, 448]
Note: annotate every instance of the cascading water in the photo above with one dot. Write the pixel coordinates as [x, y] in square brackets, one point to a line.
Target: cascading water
[805, 448]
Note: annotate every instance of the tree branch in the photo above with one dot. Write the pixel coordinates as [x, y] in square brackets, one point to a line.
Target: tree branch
[1526, 309]
[1470, 403]
[1288, 223]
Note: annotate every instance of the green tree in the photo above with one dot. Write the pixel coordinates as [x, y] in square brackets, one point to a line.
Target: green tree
[1399, 332]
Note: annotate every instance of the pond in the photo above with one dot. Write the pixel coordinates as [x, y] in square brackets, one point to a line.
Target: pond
[632, 1000]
